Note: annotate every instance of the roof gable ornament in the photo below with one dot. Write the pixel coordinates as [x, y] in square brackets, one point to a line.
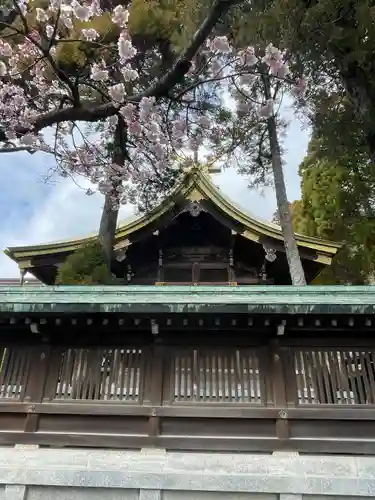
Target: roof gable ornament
[120, 254]
[194, 208]
[270, 253]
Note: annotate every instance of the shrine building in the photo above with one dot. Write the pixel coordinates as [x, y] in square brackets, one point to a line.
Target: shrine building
[204, 376]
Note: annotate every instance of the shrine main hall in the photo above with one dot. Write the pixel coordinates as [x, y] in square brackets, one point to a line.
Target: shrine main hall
[203, 375]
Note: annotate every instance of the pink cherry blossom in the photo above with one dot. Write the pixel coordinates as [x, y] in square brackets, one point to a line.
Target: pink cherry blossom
[300, 87]
[158, 130]
[135, 127]
[247, 57]
[128, 111]
[3, 69]
[98, 72]
[42, 15]
[129, 73]
[125, 47]
[117, 92]
[95, 9]
[219, 44]
[81, 12]
[54, 5]
[120, 16]
[5, 49]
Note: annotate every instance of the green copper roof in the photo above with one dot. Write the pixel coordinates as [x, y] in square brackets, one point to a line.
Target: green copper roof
[189, 299]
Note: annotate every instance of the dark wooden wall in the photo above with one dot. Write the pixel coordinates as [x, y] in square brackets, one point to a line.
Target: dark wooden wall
[283, 395]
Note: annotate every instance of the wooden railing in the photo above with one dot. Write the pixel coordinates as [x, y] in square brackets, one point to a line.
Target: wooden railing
[14, 372]
[309, 399]
[327, 376]
[100, 375]
[215, 376]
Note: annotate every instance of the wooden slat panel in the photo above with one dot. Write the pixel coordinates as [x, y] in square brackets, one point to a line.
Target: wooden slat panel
[211, 375]
[14, 369]
[334, 376]
[101, 374]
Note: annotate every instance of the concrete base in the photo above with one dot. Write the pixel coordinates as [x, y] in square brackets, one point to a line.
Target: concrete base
[79, 474]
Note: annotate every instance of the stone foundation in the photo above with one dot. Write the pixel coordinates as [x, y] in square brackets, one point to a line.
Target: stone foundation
[31, 473]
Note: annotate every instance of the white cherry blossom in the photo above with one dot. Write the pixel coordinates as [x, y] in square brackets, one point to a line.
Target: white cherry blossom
[90, 34]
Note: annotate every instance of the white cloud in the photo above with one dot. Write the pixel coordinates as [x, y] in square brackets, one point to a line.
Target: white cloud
[66, 213]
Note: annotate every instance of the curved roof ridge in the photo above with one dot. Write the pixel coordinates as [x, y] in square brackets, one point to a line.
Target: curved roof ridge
[252, 218]
[244, 210]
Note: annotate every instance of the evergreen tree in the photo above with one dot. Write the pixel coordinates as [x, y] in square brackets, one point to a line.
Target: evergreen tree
[337, 203]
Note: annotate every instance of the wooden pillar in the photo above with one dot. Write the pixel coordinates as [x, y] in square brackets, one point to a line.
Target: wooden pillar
[195, 273]
[36, 384]
[22, 276]
[160, 277]
[154, 388]
[39, 365]
[278, 359]
[232, 274]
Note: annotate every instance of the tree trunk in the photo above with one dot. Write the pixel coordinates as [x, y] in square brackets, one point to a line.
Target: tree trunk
[297, 273]
[108, 222]
[107, 229]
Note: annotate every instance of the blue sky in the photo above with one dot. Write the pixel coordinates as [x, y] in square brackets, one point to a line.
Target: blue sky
[33, 211]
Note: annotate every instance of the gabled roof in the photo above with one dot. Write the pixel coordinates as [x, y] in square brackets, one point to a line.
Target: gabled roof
[196, 186]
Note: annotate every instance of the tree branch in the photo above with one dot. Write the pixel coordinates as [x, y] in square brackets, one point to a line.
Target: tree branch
[182, 65]
[91, 112]
[17, 149]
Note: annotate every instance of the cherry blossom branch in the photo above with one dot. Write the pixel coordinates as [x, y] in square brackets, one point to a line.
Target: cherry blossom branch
[183, 63]
[17, 149]
[86, 111]
[23, 19]
[152, 130]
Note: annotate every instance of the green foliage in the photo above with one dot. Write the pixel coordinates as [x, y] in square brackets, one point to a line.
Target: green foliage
[337, 204]
[174, 21]
[332, 42]
[86, 266]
